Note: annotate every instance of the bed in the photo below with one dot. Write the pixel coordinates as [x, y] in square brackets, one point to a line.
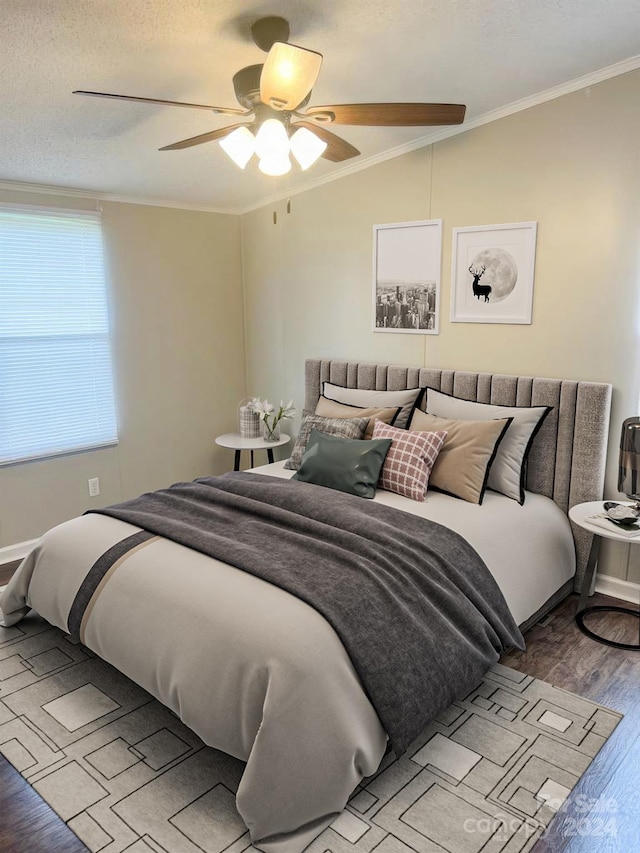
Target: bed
[258, 672]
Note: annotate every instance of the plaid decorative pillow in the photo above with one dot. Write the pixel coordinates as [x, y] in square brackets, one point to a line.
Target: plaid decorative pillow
[409, 461]
[340, 427]
[330, 409]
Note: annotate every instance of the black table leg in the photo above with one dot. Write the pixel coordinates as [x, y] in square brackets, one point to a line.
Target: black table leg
[592, 562]
[270, 454]
[583, 610]
[236, 461]
[252, 458]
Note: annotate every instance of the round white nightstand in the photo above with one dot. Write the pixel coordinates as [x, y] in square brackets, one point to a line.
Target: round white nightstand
[236, 442]
[580, 514]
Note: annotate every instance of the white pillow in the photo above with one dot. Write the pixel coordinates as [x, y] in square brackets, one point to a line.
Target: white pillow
[364, 398]
[507, 471]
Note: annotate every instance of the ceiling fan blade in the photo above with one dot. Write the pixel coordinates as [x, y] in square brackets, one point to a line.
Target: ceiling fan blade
[337, 149]
[220, 133]
[288, 75]
[390, 115]
[221, 110]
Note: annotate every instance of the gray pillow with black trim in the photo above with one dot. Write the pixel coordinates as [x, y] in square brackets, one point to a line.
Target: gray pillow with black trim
[346, 464]
[340, 427]
[507, 474]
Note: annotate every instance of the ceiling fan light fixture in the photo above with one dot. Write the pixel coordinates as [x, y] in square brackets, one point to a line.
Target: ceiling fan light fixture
[240, 146]
[272, 141]
[275, 166]
[306, 147]
[288, 75]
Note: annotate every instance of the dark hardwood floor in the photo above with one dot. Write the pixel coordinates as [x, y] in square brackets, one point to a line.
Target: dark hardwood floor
[601, 816]
[7, 570]
[27, 824]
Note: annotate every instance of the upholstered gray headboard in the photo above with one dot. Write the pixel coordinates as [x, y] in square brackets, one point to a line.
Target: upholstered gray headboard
[567, 458]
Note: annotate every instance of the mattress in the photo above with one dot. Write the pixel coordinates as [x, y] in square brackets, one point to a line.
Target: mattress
[528, 548]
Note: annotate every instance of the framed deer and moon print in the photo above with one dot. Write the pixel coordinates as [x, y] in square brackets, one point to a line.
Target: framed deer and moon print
[406, 277]
[492, 273]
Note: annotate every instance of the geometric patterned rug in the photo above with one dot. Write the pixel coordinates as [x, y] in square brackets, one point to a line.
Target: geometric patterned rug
[125, 774]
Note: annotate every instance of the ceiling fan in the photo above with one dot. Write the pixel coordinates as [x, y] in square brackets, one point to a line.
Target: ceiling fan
[274, 97]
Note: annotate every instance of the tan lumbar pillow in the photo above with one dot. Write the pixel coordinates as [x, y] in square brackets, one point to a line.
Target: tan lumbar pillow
[331, 409]
[463, 464]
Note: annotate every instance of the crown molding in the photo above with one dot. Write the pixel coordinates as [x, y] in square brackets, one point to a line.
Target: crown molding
[69, 192]
[599, 76]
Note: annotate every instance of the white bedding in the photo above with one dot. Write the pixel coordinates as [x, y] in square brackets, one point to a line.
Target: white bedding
[253, 670]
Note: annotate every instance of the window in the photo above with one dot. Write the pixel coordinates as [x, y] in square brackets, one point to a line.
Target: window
[56, 387]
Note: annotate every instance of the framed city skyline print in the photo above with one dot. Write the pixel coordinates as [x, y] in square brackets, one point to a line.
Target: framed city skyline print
[407, 258]
[492, 273]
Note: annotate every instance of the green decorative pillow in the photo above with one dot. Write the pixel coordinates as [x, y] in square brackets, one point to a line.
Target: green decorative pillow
[346, 464]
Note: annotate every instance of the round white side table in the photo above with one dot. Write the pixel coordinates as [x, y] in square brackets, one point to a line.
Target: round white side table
[236, 442]
[580, 514]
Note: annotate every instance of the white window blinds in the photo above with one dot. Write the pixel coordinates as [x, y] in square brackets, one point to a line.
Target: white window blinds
[56, 387]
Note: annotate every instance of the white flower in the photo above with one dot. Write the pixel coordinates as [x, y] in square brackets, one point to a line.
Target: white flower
[262, 407]
[266, 411]
[288, 411]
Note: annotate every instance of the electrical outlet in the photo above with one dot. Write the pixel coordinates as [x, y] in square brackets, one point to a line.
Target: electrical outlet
[94, 487]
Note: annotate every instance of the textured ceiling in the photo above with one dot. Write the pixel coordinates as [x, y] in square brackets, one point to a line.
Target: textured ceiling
[484, 53]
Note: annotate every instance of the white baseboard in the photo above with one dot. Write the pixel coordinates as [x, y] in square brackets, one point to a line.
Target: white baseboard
[16, 552]
[625, 590]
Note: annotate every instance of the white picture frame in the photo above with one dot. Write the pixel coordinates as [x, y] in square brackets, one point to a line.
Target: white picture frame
[505, 254]
[407, 259]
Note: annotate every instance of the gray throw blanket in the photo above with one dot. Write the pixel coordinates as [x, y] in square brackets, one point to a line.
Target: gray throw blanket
[414, 605]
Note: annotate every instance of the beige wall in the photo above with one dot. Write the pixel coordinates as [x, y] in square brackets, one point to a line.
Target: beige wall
[308, 278]
[177, 329]
[572, 165]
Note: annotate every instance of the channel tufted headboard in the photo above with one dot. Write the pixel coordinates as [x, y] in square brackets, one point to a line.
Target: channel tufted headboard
[567, 458]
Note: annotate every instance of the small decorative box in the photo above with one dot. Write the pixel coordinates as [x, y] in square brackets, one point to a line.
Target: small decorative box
[248, 420]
